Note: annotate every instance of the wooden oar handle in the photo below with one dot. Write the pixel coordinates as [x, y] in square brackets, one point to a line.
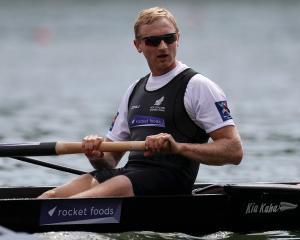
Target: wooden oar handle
[60, 147]
[76, 147]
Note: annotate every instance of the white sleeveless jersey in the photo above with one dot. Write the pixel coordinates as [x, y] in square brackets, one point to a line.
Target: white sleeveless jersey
[205, 103]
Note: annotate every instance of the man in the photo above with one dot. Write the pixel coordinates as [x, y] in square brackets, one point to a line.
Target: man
[175, 110]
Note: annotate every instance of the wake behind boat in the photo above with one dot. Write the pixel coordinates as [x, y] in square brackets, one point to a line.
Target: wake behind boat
[211, 208]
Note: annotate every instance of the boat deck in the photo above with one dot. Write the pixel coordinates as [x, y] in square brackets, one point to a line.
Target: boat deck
[211, 208]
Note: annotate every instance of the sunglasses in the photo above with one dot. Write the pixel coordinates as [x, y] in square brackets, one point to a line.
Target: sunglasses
[154, 41]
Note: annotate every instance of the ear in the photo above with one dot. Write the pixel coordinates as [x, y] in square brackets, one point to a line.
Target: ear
[178, 36]
[137, 44]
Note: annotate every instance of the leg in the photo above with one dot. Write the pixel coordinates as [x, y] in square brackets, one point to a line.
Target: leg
[77, 185]
[113, 187]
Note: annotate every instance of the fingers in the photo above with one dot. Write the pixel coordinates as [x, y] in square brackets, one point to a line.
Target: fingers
[158, 143]
[91, 145]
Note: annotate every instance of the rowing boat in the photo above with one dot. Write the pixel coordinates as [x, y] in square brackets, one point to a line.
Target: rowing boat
[210, 208]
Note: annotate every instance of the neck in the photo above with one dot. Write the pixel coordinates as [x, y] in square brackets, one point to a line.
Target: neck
[161, 71]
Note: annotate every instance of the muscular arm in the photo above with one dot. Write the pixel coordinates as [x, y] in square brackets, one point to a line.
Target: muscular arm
[226, 147]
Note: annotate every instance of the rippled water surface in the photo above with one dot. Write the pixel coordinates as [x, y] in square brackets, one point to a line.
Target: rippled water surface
[64, 66]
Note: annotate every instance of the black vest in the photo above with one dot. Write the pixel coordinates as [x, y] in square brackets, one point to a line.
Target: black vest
[163, 111]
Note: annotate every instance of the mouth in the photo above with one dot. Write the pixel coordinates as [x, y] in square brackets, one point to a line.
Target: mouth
[161, 56]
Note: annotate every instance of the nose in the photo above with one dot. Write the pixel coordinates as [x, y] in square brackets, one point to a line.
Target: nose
[162, 44]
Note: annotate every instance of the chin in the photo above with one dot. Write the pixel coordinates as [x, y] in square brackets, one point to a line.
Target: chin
[166, 65]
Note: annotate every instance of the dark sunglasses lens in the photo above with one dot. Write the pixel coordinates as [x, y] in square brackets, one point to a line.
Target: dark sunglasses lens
[153, 41]
[170, 39]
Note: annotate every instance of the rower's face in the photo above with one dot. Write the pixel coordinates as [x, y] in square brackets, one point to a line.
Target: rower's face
[160, 58]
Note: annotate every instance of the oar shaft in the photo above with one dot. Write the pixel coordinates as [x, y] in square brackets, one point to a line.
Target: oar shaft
[75, 147]
[50, 165]
[27, 149]
[59, 148]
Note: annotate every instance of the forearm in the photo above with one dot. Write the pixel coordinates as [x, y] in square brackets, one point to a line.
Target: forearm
[226, 147]
[91, 147]
[219, 152]
[108, 161]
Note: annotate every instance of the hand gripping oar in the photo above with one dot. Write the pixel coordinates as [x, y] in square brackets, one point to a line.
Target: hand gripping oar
[60, 148]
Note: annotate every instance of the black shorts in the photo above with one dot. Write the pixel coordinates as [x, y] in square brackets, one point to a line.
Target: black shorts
[148, 180]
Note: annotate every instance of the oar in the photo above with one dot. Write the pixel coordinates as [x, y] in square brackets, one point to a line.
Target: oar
[60, 148]
[49, 165]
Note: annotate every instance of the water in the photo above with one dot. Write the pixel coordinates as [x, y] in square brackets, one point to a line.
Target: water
[64, 66]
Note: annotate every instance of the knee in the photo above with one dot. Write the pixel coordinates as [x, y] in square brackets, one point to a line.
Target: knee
[48, 194]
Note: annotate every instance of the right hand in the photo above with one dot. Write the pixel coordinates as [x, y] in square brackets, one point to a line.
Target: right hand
[91, 145]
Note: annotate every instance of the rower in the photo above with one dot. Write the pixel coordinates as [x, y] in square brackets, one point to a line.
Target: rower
[172, 106]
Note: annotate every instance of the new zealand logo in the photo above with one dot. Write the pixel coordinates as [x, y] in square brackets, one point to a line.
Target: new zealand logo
[159, 101]
[157, 105]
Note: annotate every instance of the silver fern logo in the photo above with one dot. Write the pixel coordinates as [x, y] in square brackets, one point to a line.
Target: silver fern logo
[157, 106]
[284, 206]
[158, 102]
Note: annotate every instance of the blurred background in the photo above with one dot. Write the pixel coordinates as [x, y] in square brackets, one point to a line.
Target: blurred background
[65, 65]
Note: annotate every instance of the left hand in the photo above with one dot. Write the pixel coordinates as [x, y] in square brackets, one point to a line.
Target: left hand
[162, 142]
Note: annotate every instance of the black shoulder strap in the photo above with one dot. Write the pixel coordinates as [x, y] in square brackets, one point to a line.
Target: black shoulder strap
[139, 83]
[198, 134]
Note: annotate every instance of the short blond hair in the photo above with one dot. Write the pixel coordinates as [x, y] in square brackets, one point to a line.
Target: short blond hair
[150, 15]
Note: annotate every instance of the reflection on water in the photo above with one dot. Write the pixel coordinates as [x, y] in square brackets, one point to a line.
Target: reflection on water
[64, 67]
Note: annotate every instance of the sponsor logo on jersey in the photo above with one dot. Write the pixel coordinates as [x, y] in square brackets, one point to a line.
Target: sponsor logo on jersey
[135, 107]
[147, 121]
[223, 110]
